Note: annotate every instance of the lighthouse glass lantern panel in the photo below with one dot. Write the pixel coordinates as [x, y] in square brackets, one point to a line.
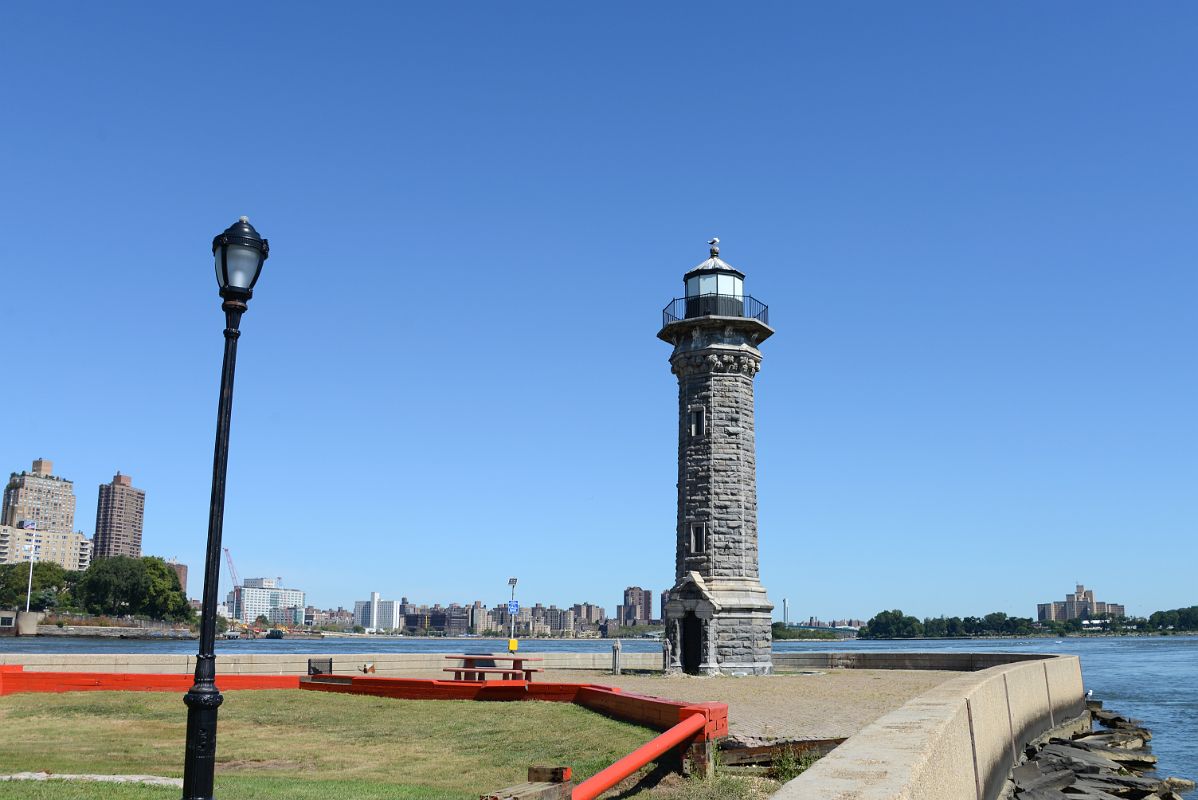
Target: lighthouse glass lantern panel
[715, 293]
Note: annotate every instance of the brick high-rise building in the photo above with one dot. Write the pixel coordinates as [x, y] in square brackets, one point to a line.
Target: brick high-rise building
[180, 571]
[39, 500]
[718, 616]
[638, 605]
[120, 510]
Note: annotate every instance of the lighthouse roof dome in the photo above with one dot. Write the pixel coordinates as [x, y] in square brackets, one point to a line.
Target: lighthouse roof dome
[714, 263]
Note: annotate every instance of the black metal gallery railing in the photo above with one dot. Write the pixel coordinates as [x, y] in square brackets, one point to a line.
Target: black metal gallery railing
[723, 305]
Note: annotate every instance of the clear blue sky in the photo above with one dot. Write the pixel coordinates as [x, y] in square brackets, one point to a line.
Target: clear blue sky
[974, 226]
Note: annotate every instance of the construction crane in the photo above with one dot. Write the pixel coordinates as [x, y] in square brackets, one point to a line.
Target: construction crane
[236, 585]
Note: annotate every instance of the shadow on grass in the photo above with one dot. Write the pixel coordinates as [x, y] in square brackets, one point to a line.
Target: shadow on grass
[632, 787]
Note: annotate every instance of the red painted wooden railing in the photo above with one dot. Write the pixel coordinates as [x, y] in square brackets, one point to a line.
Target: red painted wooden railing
[603, 780]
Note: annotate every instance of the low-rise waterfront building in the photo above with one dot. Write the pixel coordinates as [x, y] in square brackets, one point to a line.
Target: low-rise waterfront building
[286, 615]
[260, 596]
[70, 550]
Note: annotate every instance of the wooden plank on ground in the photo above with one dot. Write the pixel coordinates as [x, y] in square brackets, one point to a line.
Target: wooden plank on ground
[533, 791]
[549, 774]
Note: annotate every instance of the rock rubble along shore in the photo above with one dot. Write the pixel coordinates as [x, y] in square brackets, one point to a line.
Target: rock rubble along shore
[1104, 764]
[114, 632]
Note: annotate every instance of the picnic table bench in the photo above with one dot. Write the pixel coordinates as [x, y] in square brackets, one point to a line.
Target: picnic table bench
[476, 666]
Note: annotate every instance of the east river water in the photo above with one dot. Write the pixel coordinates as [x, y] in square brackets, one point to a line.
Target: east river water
[1152, 679]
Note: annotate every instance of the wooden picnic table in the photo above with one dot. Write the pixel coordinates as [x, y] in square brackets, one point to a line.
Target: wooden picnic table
[473, 667]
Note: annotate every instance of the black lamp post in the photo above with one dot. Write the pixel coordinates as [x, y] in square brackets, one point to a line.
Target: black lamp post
[239, 253]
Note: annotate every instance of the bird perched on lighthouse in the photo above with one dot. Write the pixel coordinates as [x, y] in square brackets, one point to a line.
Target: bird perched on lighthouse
[715, 246]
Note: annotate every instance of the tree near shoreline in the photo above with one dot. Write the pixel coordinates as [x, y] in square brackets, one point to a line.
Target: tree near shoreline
[896, 625]
[52, 585]
[138, 586]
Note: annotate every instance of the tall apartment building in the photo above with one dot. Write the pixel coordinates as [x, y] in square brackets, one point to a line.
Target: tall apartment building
[478, 617]
[39, 500]
[457, 620]
[71, 550]
[588, 615]
[120, 510]
[265, 597]
[1078, 605]
[377, 614]
[638, 605]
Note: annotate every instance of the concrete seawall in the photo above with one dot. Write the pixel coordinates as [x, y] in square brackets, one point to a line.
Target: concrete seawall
[422, 665]
[957, 741]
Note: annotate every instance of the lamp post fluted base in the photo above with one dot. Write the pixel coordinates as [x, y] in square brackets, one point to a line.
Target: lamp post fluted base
[199, 766]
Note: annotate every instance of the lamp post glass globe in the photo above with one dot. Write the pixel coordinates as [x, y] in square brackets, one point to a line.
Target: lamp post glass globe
[239, 253]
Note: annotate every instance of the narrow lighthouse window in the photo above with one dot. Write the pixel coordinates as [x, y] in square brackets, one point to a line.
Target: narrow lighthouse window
[696, 542]
[697, 422]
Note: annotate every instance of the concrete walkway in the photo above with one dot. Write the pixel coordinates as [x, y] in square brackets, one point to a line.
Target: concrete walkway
[762, 710]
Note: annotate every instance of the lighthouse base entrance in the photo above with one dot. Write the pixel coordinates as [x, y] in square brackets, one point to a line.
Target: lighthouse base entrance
[719, 627]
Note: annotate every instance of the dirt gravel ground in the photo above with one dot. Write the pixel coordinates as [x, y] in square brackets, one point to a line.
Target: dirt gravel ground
[786, 707]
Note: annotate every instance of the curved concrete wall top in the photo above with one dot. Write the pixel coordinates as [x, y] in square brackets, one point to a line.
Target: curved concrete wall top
[957, 741]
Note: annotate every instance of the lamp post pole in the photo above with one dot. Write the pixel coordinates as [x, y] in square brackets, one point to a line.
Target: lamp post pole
[236, 249]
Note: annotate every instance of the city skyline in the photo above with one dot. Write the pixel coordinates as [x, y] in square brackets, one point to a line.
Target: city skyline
[974, 233]
[635, 602]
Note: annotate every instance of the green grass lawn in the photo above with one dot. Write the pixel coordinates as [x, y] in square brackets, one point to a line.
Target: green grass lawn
[301, 744]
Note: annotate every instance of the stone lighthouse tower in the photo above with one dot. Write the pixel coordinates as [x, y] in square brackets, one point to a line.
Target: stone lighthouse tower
[717, 614]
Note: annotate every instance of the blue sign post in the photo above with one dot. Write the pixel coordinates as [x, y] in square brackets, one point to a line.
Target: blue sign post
[513, 608]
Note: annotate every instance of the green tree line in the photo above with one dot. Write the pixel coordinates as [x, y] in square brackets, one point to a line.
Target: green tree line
[1181, 619]
[897, 625]
[114, 586]
[781, 631]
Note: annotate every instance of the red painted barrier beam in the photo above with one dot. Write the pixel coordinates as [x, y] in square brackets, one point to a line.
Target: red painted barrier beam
[18, 681]
[605, 779]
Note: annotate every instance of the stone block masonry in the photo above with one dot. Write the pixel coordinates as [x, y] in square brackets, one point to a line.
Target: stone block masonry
[717, 613]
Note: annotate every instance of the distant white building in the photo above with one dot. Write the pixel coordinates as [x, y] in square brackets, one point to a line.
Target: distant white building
[377, 614]
[265, 597]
